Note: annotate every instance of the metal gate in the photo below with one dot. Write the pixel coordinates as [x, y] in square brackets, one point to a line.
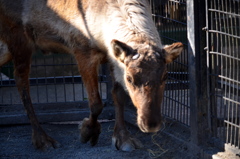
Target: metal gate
[171, 22]
[223, 44]
[214, 73]
[56, 89]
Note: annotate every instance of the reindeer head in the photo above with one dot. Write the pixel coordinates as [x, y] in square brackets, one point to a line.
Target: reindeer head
[145, 74]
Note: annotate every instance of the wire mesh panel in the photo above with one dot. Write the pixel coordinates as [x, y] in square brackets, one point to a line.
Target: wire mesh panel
[170, 19]
[54, 79]
[223, 25]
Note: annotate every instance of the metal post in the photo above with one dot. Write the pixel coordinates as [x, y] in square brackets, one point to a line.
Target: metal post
[196, 21]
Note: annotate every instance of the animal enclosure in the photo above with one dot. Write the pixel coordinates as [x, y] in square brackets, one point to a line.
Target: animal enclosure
[203, 87]
[223, 44]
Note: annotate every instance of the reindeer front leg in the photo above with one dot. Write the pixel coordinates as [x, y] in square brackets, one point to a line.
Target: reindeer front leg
[122, 139]
[88, 66]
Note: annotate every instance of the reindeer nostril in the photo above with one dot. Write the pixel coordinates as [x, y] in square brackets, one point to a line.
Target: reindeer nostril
[152, 125]
[148, 126]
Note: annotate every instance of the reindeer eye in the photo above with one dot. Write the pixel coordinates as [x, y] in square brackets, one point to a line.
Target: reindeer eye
[136, 56]
[157, 54]
[129, 79]
[146, 84]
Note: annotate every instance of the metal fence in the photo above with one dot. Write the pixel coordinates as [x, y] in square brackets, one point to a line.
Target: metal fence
[55, 87]
[170, 18]
[209, 69]
[223, 35]
[214, 60]
[203, 89]
[53, 78]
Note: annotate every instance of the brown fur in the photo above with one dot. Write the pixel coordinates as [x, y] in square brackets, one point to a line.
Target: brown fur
[119, 31]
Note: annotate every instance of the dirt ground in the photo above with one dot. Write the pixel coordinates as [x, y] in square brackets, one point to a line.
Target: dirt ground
[15, 142]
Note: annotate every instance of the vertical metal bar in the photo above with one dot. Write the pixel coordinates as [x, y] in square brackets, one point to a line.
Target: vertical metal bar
[64, 82]
[36, 70]
[231, 41]
[222, 104]
[234, 30]
[83, 92]
[197, 71]
[73, 82]
[55, 84]
[172, 7]
[227, 90]
[214, 67]
[46, 86]
[238, 78]
[226, 103]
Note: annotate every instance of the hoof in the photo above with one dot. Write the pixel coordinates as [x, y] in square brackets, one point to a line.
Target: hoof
[90, 131]
[44, 142]
[126, 143]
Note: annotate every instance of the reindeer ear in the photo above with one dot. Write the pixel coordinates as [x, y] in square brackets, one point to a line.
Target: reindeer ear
[172, 51]
[120, 50]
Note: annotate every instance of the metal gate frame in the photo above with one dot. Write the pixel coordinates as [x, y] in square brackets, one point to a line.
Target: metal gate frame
[205, 80]
[51, 101]
[223, 40]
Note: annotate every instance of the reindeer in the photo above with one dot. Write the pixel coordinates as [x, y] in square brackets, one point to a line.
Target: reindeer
[121, 32]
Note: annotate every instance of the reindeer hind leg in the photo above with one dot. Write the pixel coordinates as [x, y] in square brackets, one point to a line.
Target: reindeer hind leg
[22, 60]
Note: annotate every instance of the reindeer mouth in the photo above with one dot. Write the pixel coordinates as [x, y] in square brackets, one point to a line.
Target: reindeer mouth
[148, 128]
